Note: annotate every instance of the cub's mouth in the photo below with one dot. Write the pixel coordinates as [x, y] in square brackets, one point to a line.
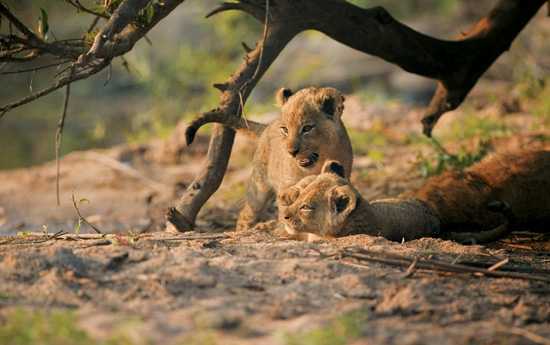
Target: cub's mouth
[309, 160]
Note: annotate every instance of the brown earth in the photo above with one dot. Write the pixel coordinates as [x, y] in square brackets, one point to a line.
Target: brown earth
[256, 287]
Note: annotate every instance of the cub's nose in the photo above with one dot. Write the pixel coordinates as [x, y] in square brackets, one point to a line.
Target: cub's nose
[293, 151]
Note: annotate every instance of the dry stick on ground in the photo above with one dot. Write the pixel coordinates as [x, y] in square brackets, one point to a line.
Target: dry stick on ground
[457, 65]
[61, 235]
[84, 220]
[535, 338]
[432, 264]
[15, 240]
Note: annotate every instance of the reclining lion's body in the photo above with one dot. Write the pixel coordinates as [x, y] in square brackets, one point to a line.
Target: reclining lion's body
[502, 192]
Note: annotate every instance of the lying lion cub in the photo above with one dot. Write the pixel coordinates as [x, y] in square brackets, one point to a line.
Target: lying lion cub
[308, 133]
[501, 192]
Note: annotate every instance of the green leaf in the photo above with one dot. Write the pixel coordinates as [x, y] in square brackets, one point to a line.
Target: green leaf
[77, 226]
[149, 13]
[43, 26]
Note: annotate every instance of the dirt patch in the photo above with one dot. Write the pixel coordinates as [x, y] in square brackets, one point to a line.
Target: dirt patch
[256, 287]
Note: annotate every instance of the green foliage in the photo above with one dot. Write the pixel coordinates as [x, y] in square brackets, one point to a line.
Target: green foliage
[534, 90]
[365, 141]
[235, 193]
[342, 330]
[408, 9]
[180, 81]
[57, 327]
[475, 126]
[441, 160]
[541, 108]
[204, 336]
[43, 26]
[22, 327]
[529, 84]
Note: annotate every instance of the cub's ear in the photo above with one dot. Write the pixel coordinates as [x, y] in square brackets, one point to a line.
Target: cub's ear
[334, 167]
[331, 102]
[283, 95]
[342, 201]
[287, 196]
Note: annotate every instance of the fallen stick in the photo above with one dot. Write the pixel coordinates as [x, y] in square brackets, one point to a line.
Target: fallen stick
[535, 338]
[193, 237]
[432, 264]
[41, 236]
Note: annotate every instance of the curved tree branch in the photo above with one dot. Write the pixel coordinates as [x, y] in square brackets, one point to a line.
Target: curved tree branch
[236, 90]
[457, 65]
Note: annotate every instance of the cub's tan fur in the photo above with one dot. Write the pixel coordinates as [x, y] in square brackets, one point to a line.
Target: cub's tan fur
[308, 133]
[500, 193]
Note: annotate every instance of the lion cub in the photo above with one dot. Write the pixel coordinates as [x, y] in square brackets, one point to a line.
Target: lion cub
[499, 193]
[308, 133]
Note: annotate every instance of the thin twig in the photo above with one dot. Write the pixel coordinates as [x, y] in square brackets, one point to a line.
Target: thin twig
[33, 69]
[432, 264]
[16, 22]
[59, 84]
[535, 338]
[59, 135]
[84, 220]
[125, 64]
[258, 65]
[410, 271]
[93, 24]
[82, 8]
[193, 237]
[498, 265]
[109, 74]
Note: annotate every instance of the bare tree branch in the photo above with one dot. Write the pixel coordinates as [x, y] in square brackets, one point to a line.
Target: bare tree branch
[121, 32]
[83, 74]
[238, 86]
[16, 22]
[34, 69]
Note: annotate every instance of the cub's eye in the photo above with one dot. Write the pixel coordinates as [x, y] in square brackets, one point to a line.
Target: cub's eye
[284, 131]
[306, 208]
[307, 128]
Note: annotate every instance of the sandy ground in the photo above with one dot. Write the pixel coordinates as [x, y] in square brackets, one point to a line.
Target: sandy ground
[216, 286]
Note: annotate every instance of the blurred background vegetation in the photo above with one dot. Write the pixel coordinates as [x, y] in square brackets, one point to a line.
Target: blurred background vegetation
[170, 79]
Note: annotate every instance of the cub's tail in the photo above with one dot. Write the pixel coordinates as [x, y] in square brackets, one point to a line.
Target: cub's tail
[488, 235]
[480, 237]
[238, 123]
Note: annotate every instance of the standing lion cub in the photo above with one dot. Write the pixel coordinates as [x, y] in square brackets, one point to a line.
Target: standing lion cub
[308, 133]
[501, 192]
